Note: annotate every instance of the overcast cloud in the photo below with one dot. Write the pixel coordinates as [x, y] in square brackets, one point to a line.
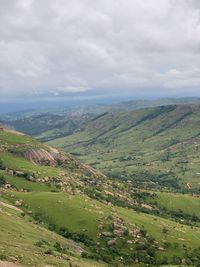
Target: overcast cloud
[52, 48]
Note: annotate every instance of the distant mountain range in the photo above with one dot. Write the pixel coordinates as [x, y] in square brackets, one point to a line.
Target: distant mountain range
[49, 123]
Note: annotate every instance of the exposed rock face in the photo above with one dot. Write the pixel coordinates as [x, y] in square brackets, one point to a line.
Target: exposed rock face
[41, 156]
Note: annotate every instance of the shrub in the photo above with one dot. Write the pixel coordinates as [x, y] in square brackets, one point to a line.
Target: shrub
[48, 252]
[2, 180]
[76, 236]
[51, 226]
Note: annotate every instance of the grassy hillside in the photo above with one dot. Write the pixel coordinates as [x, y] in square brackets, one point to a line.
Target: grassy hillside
[173, 202]
[152, 147]
[56, 122]
[57, 211]
[29, 244]
[46, 125]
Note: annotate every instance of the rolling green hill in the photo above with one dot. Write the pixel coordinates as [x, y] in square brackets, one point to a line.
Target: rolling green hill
[55, 122]
[153, 147]
[57, 211]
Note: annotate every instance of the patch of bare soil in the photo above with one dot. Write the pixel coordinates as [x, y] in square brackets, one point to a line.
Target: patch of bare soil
[8, 264]
[10, 207]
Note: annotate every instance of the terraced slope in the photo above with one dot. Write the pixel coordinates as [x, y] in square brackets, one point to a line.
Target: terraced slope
[93, 221]
[153, 147]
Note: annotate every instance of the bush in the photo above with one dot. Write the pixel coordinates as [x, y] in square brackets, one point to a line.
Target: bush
[39, 244]
[48, 252]
[52, 227]
[76, 236]
[58, 247]
[2, 166]
[2, 180]
[39, 217]
[3, 257]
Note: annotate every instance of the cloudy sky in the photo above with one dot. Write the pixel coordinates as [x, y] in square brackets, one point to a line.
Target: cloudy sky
[56, 48]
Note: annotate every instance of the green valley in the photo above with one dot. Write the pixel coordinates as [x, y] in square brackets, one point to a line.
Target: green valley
[152, 147]
[140, 209]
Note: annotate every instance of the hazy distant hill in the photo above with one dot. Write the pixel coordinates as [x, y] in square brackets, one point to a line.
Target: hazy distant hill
[153, 146]
[51, 123]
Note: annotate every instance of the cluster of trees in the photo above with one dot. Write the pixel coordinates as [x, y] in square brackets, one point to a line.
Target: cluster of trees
[79, 237]
[145, 179]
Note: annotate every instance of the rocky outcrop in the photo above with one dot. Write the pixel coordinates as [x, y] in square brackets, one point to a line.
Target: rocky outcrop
[44, 157]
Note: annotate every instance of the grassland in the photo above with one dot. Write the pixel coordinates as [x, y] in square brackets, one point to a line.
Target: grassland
[19, 164]
[152, 147]
[30, 244]
[73, 216]
[185, 203]
[83, 215]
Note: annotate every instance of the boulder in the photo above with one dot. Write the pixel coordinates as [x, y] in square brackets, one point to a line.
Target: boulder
[19, 173]
[18, 203]
[29, 212]
[111, 242]
[7, 186]
[46, 179]
[31, 178]
[119, 232]
[108, 234]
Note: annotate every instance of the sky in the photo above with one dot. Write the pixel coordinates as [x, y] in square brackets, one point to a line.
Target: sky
[57, 49]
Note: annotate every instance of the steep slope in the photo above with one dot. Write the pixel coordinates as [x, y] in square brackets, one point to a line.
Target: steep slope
[153, 147]
[78, 203]
[29, 244]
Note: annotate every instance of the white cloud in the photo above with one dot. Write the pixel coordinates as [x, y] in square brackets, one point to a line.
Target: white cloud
[56, 47]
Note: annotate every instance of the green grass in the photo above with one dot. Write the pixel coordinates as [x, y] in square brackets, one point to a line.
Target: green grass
[154, 225]
[19, 237]
[22, 183]
[177, 202]
[15, 139]
[76, 213]
[20, 164]
[81, 215]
